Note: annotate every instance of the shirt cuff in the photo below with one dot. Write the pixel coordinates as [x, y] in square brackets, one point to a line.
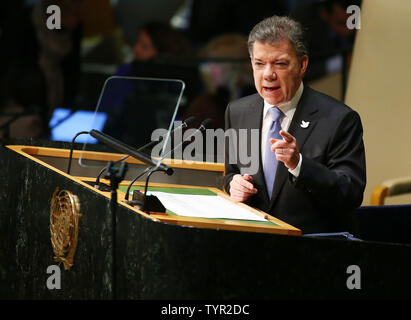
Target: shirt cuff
[296, 171]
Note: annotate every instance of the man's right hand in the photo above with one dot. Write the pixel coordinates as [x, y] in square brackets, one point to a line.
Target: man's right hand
[241, 187]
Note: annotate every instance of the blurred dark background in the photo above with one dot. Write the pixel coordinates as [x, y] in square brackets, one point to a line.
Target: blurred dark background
[202, 42]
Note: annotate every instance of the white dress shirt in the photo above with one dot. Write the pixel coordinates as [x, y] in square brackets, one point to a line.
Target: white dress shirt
[288, 108]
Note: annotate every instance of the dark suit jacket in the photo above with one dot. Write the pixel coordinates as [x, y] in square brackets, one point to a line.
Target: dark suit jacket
[332, 177]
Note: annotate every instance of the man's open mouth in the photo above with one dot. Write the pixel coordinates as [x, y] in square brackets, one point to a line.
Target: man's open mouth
[271, 89]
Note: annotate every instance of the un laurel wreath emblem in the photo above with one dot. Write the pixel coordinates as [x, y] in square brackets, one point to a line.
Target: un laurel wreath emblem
[64, 226]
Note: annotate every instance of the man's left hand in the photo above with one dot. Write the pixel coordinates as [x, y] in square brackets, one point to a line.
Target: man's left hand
[286, 150]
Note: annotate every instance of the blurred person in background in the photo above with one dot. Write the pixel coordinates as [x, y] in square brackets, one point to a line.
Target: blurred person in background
[212, 18]
[161, 51]
[329, 40]
[227, 75]
[23, 102]
[157, 40]
[31, 51]
[59, 50]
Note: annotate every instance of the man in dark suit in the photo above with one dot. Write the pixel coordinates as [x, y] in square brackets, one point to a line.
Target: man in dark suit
[311, 160]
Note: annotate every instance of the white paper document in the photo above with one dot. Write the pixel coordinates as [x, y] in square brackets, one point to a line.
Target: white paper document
[200, 206]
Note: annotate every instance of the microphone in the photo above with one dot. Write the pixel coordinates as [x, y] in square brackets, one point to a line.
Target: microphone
[122, 147]
[206, 123]
[72, 148]
[186, 123]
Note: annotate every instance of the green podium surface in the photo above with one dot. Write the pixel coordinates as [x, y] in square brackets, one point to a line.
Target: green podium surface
[195, 191]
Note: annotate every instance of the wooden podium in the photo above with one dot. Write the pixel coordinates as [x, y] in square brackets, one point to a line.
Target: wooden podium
[161, 256]
[208, 174]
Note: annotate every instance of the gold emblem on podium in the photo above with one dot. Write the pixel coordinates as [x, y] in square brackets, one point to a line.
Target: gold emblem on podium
[64, 226]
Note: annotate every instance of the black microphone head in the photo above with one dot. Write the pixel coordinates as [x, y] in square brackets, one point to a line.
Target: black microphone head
[189, 121]
[206, 123]
[169, 171]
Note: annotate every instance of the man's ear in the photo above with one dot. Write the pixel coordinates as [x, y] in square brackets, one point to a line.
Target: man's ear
[303, 64]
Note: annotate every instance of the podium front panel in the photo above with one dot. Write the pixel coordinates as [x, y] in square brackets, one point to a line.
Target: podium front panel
[159, 260]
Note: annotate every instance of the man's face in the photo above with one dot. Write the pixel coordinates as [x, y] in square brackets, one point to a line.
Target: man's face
[144, 48]
[277, 71]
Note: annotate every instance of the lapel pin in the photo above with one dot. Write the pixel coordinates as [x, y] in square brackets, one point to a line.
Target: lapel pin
[304, 124]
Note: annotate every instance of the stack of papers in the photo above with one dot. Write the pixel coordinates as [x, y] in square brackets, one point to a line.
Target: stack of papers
[201, 206]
